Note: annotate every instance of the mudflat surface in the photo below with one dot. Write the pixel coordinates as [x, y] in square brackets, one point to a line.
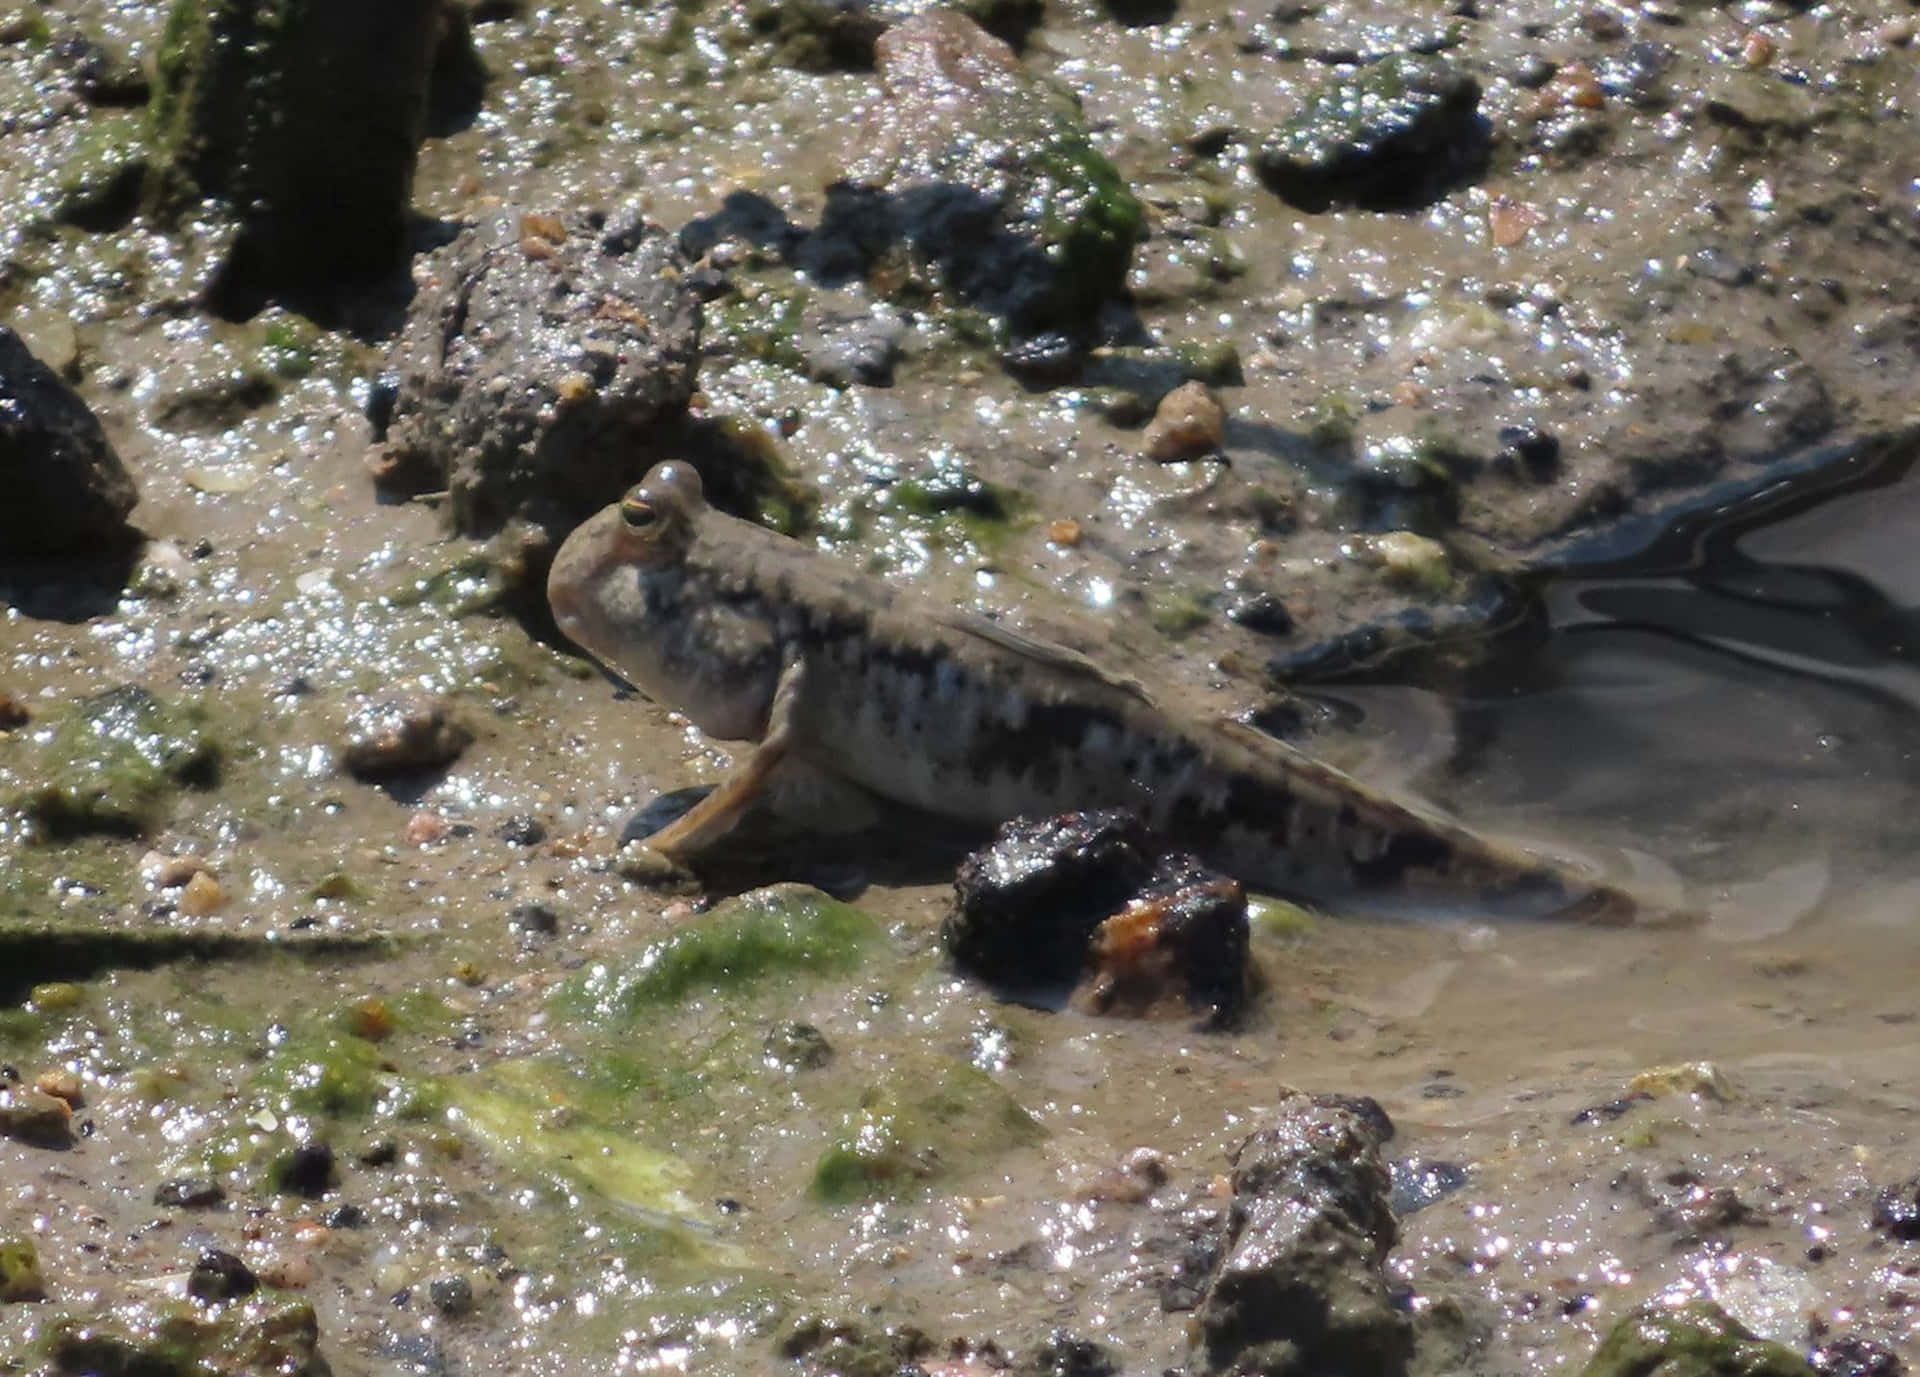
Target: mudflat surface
[1686, 257]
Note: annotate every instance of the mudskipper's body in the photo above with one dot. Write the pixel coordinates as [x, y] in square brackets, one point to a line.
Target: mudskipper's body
[755, 637]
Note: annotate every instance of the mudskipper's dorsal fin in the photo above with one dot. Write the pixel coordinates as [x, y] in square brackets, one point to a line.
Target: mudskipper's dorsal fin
[1049, 653]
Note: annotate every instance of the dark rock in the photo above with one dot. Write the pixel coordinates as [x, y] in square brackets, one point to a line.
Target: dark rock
[190, 1192]
[797, 1046]
[1528, 453]
[451, 1296]
[67, 490]
[1068, 1355]
[1419, 1182]
[533, 917]
[302, 119]
[219, 1276]
[381, 1152]
[1300, 1286]
[985, 172]
[1182, 939]
[1142, 13]
[1026, 907]
[386, 737]
[536, 366]
[1896, 1209]
[306, 1170]
[1695, 1338]
[1849, 1355]
[457, 81]
[345, 1217]
[840, 35]
[835, 1346]
[662, 811]
[1087, 895]
[521, 830]
[99, 75]
[1261, 611]
[1397, 134]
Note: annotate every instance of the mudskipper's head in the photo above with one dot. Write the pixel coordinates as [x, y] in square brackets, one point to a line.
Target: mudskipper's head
[616, 578]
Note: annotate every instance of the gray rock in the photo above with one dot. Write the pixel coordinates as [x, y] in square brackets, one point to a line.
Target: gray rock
[1299, 1287]
[534, 366]
[986, 173]
[67, 491]
[392, 736]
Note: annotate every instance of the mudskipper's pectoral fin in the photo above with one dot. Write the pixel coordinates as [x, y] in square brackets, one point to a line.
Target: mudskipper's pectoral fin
[716, 815]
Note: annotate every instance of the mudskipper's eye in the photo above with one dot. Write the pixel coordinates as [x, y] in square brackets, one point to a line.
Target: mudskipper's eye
[637, 512]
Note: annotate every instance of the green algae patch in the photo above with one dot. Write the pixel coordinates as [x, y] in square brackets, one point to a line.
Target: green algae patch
[1695, 1340]
[919, 1124]
[20, 1278]
[269, 1332]
[536, 1135]
[114, 761]
[759, 939]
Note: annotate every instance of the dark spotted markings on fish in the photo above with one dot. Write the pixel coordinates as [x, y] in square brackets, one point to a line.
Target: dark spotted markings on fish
[757, 637]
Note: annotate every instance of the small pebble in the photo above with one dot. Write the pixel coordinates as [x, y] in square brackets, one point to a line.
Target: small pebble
[189, 1192]
[202, 895]
[307, 1170]
[424, 829]
[1189, 423]
[161, 871]
[219, 1276]
[370, 1018]
[451, 1296]
[62, 1084]
[533, 917]
[13, 713]
[287, 1271]
[1064, 533]
[36, 1118]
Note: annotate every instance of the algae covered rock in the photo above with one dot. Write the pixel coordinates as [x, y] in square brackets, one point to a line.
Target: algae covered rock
[1695, 1340]
[114, 761]
[986, 173]
[1397, 133]
[1299, 1287]
[301, 119]
[66, 489]
[267, 1332]
[20, 1277]
[535, 365]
